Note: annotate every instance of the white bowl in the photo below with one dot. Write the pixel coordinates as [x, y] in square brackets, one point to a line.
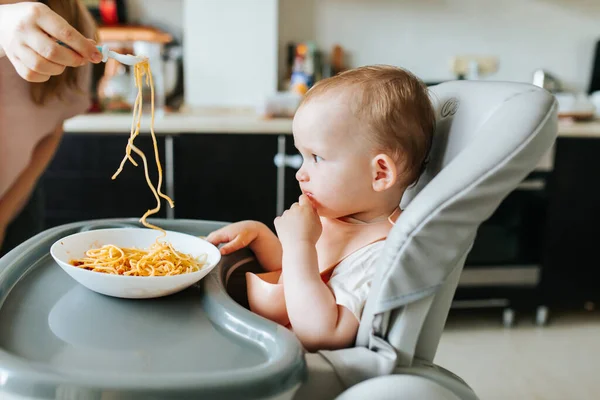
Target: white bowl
[132, 287]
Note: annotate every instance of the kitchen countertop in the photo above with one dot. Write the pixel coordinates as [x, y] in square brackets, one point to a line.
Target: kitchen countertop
[238, 121]
[590, 129]
[193, 121]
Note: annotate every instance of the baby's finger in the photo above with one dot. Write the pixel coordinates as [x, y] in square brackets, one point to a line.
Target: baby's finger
[234, 245]
[304, 201]
[218, 237]
[276, 222]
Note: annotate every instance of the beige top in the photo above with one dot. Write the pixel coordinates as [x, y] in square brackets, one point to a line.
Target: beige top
[23, 123]
[351, 279]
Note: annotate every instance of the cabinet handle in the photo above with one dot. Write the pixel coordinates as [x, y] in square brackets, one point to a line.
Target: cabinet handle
[294, 161]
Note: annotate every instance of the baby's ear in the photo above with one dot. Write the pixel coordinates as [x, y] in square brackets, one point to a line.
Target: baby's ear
[384, 172]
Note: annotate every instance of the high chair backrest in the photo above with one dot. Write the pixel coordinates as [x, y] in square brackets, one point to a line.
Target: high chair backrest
[489, 137]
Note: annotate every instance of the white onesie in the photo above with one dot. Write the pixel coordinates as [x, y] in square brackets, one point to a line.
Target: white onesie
[351, 279]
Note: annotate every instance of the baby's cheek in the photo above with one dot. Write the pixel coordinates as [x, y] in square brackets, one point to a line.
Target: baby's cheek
[340, 193]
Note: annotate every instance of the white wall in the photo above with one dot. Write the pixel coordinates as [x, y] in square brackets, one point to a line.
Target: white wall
[423, 35]
[164, 14]
[230, 46]
[230, 51]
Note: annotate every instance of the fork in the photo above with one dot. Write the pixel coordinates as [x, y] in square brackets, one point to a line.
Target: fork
[126, 59]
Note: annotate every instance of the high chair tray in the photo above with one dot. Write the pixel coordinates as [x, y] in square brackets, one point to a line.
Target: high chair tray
[59, 340]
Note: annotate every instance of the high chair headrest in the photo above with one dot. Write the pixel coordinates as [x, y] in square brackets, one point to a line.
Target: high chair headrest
[489, 137]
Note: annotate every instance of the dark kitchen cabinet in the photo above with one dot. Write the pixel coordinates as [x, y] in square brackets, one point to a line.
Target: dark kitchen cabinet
[570, 274]
[77, 184]
[226, 177]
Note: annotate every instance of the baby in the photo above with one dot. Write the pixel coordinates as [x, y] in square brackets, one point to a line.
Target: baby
[364, 136]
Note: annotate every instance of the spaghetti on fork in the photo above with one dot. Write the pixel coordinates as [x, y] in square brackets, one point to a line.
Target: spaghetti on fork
[161, 259]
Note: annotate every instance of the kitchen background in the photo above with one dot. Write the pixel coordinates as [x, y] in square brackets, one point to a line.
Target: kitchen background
[421, 35]
[222, 63]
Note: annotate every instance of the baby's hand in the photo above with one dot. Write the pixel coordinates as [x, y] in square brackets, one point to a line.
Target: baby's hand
[300, 223]
[237, 236]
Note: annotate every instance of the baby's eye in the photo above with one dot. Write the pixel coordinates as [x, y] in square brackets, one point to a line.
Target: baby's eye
[316, 158]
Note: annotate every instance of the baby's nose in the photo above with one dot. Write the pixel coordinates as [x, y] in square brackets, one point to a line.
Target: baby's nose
[301, 176]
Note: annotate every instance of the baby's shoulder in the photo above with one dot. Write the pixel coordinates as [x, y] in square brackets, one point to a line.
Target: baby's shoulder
[363, 258]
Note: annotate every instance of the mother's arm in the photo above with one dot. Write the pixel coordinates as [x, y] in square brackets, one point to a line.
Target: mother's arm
[17, 195]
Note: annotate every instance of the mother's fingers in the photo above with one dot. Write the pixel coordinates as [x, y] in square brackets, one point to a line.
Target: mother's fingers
[37, 63]
[26, 73]
[52, 51]
[55, 26]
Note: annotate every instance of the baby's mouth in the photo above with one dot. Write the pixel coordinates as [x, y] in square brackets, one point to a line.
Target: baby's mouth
[312, 199]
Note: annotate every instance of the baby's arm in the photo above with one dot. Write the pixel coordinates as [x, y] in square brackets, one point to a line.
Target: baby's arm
[267, 248]
[253, 234]
[315, 317]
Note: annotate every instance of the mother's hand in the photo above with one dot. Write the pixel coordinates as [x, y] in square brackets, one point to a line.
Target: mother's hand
[28, 35]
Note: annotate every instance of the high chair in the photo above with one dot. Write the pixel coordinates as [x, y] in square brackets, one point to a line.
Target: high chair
[489, 137]
[59, 340]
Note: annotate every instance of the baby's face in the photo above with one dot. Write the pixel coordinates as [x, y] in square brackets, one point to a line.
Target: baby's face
[336, 172]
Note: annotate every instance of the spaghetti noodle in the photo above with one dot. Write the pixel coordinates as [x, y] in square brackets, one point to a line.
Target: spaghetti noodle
[140, 70]
[161, 259]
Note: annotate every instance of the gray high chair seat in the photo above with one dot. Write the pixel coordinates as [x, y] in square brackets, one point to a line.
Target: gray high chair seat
[57, 338]
[489, 137]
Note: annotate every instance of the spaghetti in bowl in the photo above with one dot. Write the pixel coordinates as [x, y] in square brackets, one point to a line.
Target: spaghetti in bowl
[135, 262]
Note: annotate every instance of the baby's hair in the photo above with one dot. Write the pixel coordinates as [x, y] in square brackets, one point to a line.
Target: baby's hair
[396, 107]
